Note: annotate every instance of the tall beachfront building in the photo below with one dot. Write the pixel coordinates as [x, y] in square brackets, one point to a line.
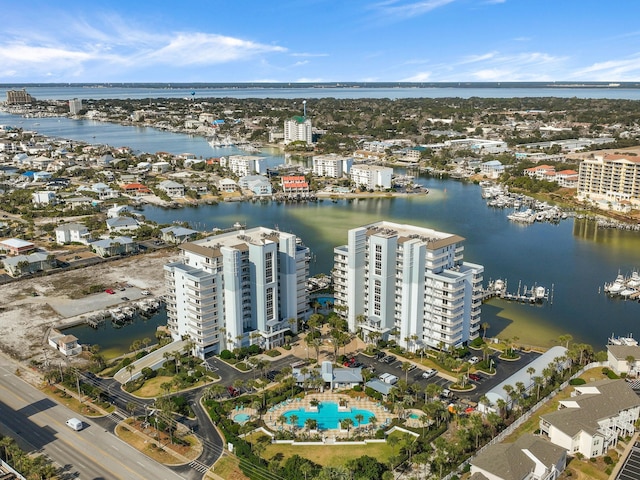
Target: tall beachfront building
[610, 178]
[236, 289]
[410, 283]
[298, 129]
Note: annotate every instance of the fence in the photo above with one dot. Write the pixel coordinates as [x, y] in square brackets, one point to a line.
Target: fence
[523, 418]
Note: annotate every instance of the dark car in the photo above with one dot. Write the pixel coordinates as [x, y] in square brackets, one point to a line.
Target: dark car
[380, 355]
[475, 377]
[233, 391]
[389, 359]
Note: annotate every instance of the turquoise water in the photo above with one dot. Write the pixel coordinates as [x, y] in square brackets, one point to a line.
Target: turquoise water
[414, 416]
[328, 416]
[241, 417]
[324, 300]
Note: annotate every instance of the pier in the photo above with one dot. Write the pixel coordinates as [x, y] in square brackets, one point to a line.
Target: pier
[534, 295]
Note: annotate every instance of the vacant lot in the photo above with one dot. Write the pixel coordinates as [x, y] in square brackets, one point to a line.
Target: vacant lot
[25, 318]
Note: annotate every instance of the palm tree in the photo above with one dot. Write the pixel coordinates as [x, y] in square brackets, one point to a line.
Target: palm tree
[294, 422]
[485, 326]
[311, 424]
[281, 420]
[359, 418]
[405, 368]
[130, 368]
[346, 423]
[530, 371]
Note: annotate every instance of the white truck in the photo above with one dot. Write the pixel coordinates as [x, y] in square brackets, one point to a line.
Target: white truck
[389, 378]
[75, 424]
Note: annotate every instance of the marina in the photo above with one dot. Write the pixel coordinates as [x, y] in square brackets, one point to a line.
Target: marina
[625, 287]
[533, 295]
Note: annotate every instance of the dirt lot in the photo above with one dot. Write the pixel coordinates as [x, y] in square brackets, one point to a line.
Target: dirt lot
[25, 319]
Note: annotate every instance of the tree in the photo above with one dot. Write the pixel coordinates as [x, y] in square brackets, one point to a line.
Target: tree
[485, 326]
[405, 368]
[565, 339]
[294, 422]
[359, 418]
[130, 369]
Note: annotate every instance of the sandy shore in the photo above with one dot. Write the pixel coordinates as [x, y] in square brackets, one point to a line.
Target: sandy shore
[25, 319]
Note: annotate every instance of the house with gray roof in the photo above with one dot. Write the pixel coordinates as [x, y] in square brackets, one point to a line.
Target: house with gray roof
[171, 188]
[329, 376]
[379, 386]
[178, 234]
[121, 224]
[34, 262]
[528, 458]
[72, 232]
[110, 247]
[619, 359]
[259, 185]
[592, 419]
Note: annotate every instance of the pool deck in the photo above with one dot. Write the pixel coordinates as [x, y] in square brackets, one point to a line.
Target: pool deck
[382, 415]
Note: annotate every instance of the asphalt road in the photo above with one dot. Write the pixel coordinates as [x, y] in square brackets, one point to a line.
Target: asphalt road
[38, 424]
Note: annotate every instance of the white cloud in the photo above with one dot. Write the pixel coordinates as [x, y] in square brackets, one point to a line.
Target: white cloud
[299, 64]
[115, 45]
[624, 69]
[398, 8]
[418, 77]
[309, 54]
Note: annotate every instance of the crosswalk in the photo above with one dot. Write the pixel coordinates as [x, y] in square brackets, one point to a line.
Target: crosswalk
[117, 416]
[199, 466]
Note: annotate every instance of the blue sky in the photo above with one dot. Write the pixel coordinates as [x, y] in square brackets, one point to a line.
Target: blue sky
[319, 41]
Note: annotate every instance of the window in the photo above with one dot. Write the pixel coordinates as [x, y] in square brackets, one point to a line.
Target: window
[270, 309]
[269, 267]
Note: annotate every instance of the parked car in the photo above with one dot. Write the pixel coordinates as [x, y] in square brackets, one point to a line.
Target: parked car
[429, 373]
[110, 291]
[412, 368]
[475, 377]
[389, 359]
[474, 360]
[233, 391]
[380, 355]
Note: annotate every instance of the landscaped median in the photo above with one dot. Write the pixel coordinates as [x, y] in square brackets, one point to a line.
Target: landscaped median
[178, 450]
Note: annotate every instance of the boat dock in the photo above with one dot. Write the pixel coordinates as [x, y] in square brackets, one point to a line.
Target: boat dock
[625, 287]
[533, 295]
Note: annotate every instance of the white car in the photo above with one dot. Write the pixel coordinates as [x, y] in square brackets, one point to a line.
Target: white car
[429, 373]
[474, 360]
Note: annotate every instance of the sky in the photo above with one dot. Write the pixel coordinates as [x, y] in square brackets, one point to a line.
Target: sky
[319, 41]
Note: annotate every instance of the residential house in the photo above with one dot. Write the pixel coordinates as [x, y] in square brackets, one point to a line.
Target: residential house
[592, 419]
[16, 246]
[528, 458]
[227, 185]
[178, 234]
[105, 160]
[111, 247]
[541, 172]
[118, 210]
[72, 232]
[41, 176]
[75, 202]
[492, 168]
[34, 262]
[567, 178]
[171, 188]
[329, 377]
[67, 344]
[295, 186]
[624, 359]
[44, 197]
[258, 185]
[104, 191]
[136, 189]
[160, 167]
[122, 224]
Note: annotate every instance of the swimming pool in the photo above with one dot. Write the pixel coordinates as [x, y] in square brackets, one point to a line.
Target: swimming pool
[414, 416]
[328, 416]
[324, 300]
[241, 417]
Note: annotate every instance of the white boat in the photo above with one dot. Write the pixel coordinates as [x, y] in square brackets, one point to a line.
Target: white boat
[629, 341]
[616, 287]
[634, 281]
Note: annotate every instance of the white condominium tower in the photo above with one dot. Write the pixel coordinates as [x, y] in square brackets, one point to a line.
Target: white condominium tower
[298, 129]
[239, 288]
[410, 283]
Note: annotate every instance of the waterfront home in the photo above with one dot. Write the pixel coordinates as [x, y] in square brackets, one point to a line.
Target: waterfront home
[178, 234]
[171, 188]
[105, 160]
[122, 224]
[67, 344]
[136, 189]
[226, 185]
[492, 168]
[258, 185]
[592, 419]
[624, 359]
[528, 458]
[72, 232]
[111, 247]
[34, 262]
[16, 246]
[117, 211]
[295, 185]
[371, 177]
